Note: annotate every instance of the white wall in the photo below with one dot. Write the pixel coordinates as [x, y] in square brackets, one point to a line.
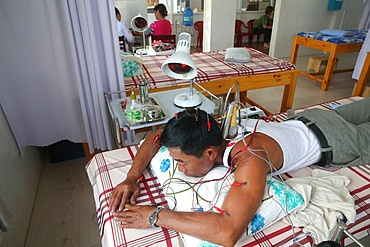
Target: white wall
[219, 25]
[293, 16]
[19, 177]
[131, 8]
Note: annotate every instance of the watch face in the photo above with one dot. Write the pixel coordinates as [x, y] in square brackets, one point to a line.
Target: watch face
[152, 219]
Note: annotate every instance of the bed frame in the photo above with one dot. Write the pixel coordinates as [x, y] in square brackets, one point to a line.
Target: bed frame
[105, 170]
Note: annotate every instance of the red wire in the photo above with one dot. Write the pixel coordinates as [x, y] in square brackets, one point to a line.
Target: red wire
[248, 145]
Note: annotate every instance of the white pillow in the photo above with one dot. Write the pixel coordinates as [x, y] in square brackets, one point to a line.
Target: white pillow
[237, 55]
[336, 32]
[202, 194]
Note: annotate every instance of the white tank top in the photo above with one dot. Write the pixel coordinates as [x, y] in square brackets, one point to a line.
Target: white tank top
[300, 146]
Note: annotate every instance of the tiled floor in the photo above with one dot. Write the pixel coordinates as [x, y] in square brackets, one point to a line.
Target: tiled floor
[64, 210]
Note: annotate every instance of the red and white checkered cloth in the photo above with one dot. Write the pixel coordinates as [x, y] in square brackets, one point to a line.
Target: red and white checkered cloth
[109, 168]
[211, 66]
[105, 170]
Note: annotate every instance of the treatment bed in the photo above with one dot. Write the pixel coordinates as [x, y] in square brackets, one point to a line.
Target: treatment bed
[216, 75]
[105, 170]
[334, 45]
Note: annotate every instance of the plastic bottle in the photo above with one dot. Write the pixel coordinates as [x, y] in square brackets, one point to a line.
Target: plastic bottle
[188, 17]
[133, 109]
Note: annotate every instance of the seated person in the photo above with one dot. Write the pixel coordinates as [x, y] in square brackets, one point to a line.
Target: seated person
[161, 26]
[194, 139]
[264, 26]
[123, 30]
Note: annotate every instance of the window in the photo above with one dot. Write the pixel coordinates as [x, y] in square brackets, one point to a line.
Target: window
[150, 4]
[255, 5]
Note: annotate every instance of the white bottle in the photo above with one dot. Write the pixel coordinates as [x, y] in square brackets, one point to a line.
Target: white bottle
[133, 109]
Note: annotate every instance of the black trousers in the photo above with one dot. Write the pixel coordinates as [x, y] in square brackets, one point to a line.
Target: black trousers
[266, 34]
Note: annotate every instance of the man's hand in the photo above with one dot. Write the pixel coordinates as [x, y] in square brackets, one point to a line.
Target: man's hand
[121, 194]
[134, 217]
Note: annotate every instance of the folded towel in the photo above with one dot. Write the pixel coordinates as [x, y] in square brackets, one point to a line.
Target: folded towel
[237, 55]
[326, 198]
[340, 33]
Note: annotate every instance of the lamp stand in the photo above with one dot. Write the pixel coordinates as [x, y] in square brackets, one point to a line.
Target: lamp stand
[188, 100]
[144, 40]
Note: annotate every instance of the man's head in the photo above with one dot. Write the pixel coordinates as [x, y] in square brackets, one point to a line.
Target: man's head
[191, 130]
[269, 10]
[190, 136]
[118, 15]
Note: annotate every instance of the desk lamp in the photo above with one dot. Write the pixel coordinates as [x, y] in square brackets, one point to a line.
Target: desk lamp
[139, 24]
[180, 66]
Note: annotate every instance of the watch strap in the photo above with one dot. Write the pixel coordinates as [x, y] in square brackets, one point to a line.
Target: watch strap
[153, 218]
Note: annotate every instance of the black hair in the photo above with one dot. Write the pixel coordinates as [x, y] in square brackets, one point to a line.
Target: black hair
[117, 11]
[269, 10]
[191, 130]
[162, 9]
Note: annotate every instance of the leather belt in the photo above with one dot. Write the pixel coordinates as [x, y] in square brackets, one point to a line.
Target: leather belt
[326, 150]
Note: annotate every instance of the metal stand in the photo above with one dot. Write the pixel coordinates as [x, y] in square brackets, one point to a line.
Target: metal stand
[342, 228]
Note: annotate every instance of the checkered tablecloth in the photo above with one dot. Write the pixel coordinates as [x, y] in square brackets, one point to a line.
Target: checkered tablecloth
[211, 66]
[109, 168]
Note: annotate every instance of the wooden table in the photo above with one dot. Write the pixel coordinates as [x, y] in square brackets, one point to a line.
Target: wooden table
[332, 48]
[216, 75]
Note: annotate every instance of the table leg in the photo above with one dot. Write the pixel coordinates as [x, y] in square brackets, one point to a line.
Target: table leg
[295, 48]
[289, 90]
[333, 57]
[88, 155]
[364, 76]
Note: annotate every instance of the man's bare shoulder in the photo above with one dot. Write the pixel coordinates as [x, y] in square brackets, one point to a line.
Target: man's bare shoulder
[257, 152]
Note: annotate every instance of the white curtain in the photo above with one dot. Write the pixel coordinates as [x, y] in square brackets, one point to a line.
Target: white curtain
[364, 24]
[57, 58]
[365, 19]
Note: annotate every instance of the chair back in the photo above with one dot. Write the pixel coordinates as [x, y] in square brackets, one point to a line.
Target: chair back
[165, 38]
[198, 26]
[238, 26]
[122, 43]
[250, 24]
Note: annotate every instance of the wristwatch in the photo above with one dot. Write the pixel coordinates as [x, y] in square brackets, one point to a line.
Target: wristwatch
[154, 216]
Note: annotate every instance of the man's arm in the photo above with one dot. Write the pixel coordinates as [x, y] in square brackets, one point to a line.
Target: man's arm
[129, 187]
[223, 228]
[238, 209]
[124, 31]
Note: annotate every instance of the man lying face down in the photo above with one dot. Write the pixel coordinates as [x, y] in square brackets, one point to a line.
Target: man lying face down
[194, 140]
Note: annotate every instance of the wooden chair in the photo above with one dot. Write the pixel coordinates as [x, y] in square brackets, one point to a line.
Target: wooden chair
[251, 34]
[198, 25]
[122, 43]
[165, 38]
[239, 32]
